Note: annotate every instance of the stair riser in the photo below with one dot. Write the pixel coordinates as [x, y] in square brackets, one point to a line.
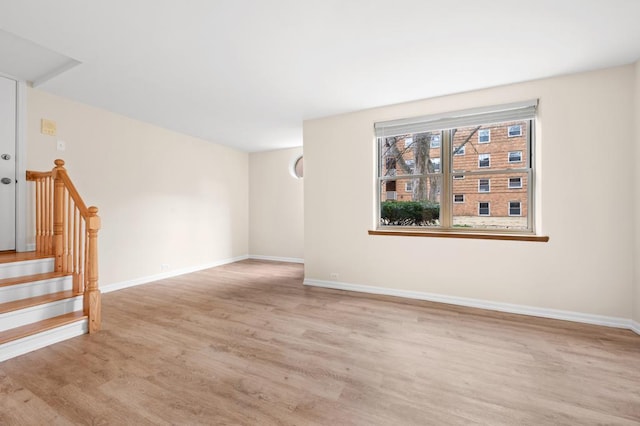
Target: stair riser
[38, 313]
[27, 267]
[41, 340]
[36, 288]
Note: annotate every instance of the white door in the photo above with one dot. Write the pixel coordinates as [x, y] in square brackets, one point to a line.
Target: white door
[8, 93]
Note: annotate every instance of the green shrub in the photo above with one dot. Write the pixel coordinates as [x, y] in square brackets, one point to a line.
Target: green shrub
[409, 213]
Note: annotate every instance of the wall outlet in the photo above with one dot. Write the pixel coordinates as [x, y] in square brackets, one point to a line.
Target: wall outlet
[333, 275]
[61, 145]
[164, 267]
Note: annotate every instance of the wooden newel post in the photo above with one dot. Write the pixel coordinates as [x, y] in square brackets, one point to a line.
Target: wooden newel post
[91, 291]
[58, 213]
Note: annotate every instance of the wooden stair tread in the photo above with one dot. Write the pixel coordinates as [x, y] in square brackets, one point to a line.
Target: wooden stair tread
[30, 278]
[16, 305]
[8, 257]
[40, 326]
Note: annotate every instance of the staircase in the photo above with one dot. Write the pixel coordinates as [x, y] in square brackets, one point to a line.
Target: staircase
[51, 294]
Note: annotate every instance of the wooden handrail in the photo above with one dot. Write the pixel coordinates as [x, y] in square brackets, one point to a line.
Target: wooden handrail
[68, 230]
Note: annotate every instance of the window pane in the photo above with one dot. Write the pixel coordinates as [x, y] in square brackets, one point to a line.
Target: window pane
[494, 189]
[515, 156]
[515, 208]
[484, 135]
[484, 160]
[515, 130]
[413, 202]
[459, 150]
[409, 155]
[502, 153]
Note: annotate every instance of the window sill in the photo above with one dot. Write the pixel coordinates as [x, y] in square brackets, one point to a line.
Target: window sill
[468, 235]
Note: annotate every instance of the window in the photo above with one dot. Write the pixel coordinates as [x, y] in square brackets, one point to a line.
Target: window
[515, 182]
[297, 168]
[514, 208]
[411, 165]
[436, 165]
[515, 156]
[460, 150]
[484, 160]
[450, 192]
[435, 141]
[483, 208]
[484, 135]
[408, 142]
[515, 131]
[484, 185]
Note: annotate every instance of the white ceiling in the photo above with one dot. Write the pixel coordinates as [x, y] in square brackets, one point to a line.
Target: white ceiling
[246, 73]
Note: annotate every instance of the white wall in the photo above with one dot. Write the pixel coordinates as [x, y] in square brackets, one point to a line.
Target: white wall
[164, 198]
[276, 214]
[636, 261]
[585, 179]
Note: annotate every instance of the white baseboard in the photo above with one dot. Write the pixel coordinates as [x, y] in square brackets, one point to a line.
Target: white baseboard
[482, 304]
[169, 274]
[40, 340]
[276, 258]
[635, 327]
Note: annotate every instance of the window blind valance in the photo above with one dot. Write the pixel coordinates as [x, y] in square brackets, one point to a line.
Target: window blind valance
[450, 120]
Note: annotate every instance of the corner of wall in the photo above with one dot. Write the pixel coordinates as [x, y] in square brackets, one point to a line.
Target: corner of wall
[636, 256]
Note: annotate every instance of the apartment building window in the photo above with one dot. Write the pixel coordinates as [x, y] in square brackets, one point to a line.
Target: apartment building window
[514, 208]
[484, 185]
[484, 135]
[484, 160]
[515, 131]
[450, 190]
[515, 156]
[408, 142]
[435, 141]
[515, 182]
[436, 165]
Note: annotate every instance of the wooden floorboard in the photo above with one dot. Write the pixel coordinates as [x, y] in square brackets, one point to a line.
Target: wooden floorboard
[247, 343]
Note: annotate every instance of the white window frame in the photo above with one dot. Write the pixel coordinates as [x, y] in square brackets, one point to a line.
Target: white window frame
[484, 131]
[519, 208]
[463, 150]
[509, 157]
[488, 185]
[445, 124]
[488, 157]
[458, 202]
[514, 126]
[514, 187]
[408, 186]
[488, 203]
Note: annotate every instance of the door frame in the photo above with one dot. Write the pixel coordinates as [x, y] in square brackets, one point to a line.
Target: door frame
[21, 169]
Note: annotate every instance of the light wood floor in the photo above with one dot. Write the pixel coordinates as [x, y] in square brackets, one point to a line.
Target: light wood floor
[246, 343]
